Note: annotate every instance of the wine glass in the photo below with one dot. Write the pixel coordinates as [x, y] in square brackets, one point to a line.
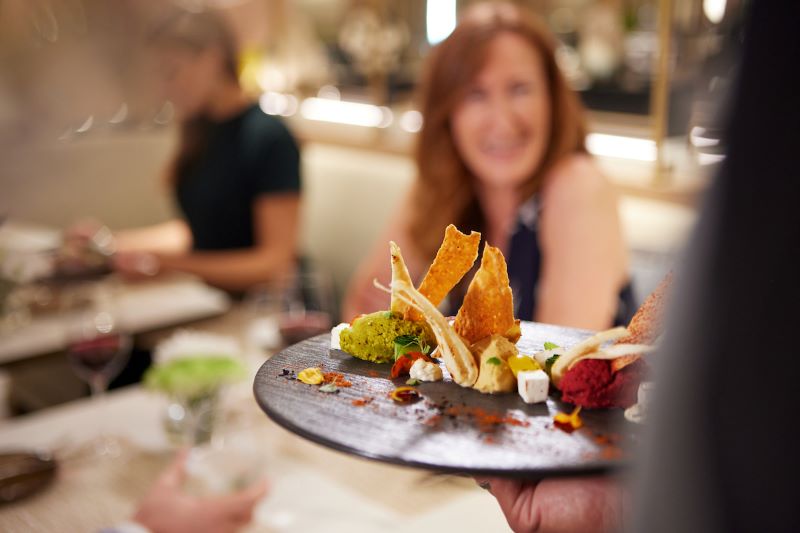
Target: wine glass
[98, 349]
[290, 309]
[308, 307]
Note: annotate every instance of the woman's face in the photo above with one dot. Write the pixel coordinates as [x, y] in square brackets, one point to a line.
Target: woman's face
[501, 127]
[189, 79]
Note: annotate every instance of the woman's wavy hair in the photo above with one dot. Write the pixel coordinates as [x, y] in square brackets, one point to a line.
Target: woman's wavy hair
[444, 191]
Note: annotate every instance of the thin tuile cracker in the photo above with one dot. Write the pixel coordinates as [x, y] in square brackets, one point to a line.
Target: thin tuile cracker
[454, 259]
[399, 273]
[488, 306]
[646, 324]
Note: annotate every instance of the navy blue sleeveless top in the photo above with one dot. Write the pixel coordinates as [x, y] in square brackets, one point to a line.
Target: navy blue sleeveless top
[524, 266]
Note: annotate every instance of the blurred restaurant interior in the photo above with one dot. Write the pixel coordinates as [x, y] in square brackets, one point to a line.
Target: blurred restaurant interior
[86, 133]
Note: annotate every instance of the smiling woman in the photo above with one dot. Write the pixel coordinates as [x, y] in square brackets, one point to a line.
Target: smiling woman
[502, 151]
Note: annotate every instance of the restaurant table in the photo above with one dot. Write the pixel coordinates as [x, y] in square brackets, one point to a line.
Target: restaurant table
[311, 487]
[142, 306]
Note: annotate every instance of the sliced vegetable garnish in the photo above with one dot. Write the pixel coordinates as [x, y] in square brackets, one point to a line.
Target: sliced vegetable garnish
[522, 363]
[548, 364]
[569, 422]
[493, 361]
[402, 367]
[409, 343]
[329, 388]
[404, 394]
[311, 376]
[551, 346]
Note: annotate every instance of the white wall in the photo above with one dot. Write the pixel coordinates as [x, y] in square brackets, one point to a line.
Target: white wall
[115, 178]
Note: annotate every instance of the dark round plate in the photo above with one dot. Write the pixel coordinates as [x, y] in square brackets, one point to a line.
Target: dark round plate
[451, 429]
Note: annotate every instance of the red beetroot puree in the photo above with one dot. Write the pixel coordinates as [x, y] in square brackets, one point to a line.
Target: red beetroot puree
[590, 383]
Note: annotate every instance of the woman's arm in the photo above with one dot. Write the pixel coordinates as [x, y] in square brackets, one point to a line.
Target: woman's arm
[362, 296]
[276, 227]
[172, 236]
[584, 261]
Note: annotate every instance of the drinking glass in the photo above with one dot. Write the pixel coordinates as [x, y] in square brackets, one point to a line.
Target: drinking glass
[98, 349]
[290, 309]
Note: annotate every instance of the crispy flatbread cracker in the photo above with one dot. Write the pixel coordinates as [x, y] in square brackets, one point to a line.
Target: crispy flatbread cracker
[455, 257]
[514, 332]
[646, 324]
[488, 306]
[399, 274]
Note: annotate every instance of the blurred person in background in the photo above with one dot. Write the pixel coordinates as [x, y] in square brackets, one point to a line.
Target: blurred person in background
[501, 151]
[235, 174]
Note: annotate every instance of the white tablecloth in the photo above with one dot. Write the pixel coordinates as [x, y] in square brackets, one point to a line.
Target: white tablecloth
[312, 488]
[142, 306]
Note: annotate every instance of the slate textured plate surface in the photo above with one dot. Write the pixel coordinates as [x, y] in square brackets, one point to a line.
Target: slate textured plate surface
[449, 429]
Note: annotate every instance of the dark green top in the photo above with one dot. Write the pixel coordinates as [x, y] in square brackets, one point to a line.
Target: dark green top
[248, 156]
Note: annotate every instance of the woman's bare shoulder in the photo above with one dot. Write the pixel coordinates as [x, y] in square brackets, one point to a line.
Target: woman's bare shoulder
[573, 181]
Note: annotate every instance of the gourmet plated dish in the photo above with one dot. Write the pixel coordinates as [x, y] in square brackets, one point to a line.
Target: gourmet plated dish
[478, 347]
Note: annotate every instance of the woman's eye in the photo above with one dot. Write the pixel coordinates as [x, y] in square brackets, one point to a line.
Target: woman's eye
[521, 89]
[475, 95]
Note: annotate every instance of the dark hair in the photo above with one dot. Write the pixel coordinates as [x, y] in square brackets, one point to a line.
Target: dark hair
[444, 192]
[195, 32]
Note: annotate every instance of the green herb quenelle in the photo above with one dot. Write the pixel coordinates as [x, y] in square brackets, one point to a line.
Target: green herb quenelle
[372, 337]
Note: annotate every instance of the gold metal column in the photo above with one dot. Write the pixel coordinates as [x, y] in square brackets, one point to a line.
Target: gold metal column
[659, 92]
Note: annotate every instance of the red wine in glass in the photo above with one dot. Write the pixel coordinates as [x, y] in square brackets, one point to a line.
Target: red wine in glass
[295, 327]
[97, 360]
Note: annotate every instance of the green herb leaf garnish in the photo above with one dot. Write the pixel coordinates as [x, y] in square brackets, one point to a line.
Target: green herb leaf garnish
[548, 364]
[550, 346]
[404, 344]
[412, 382]
[329, 388]
[493, 361]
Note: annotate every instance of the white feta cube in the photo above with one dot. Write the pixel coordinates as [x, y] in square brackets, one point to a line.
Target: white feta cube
[533, 385]
[423, 370]
[335, 335]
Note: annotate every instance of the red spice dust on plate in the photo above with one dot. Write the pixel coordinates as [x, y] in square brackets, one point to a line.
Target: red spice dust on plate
[487, 421]
[361, 402]
[336, 378]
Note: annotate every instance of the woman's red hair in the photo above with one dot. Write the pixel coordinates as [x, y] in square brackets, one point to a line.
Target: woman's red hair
[444, 192]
